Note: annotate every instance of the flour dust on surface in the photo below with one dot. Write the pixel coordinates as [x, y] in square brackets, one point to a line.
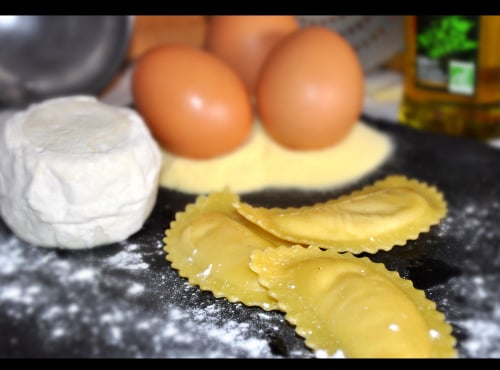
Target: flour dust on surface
[53, 304]
[124, 300]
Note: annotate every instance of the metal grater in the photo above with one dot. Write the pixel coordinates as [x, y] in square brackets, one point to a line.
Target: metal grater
[376, 38]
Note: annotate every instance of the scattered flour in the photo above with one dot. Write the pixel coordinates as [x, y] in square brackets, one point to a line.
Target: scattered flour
[475, 228]
[126, 302]
[53, 299]
[130, 261]
[85, 274]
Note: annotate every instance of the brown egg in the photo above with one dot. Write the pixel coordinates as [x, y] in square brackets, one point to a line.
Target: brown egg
[310, 91]
[245, 41]
[150, 31]
[195, 105]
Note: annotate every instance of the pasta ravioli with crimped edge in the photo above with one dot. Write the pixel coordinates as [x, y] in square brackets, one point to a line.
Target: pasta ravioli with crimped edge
[210, 244]
[390, 212]
[339, 302]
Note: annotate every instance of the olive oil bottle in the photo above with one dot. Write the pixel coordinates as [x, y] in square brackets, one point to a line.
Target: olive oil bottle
[452, 75]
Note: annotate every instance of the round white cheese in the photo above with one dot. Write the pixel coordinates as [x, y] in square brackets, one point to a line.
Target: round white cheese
[77, 173]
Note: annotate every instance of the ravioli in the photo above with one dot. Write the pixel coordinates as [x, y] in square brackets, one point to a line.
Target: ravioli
[339, 302]
[390, 212]
[293, 260]
[210, 244]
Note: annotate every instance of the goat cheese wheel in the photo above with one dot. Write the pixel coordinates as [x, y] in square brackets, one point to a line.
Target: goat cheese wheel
[77, 173]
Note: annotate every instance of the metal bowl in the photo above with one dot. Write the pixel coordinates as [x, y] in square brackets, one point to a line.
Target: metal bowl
[48, 56]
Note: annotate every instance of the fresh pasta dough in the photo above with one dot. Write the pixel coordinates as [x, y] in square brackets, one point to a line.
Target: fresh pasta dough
[210, 244]
[294, 260]
[377, 217]
[339, 302]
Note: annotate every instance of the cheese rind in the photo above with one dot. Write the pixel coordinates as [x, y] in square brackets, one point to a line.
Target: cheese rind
[77, 173]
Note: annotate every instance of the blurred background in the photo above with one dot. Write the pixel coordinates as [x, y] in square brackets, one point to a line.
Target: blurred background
[45, 56]
[378, 40]
[375, 38]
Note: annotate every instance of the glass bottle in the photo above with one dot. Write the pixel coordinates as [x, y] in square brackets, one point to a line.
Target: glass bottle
[452, 75]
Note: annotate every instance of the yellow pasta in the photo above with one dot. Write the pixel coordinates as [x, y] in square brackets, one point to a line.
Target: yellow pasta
[288, 259]
[210, 244]
[377, 217]
[339, 302]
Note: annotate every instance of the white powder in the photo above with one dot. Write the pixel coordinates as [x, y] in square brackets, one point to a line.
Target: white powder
[84, 274]
[125, 301]
[127, 260]
[135, 289]
[481, 325]
[475, 228]
[62, 298]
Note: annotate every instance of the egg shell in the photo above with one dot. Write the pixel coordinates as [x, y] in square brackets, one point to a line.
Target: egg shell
[195, 105]
[244, 42]
[310, 90]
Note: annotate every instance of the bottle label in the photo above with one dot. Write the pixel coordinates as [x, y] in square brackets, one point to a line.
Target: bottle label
[447, 53]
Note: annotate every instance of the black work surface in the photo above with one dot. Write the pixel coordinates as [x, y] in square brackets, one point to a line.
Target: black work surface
[124, 300]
